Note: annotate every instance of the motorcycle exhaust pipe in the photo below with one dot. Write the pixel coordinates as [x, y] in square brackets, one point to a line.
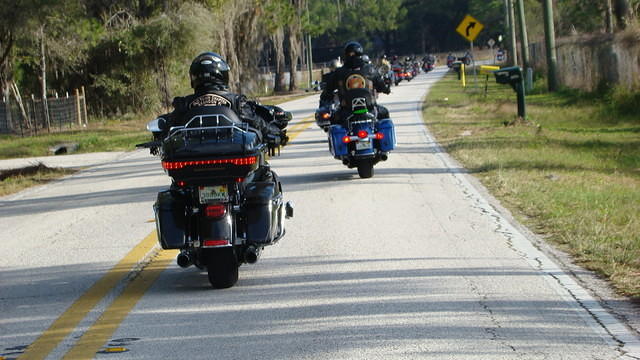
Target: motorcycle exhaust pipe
[252, 254]
[184, 260]
[383, 157]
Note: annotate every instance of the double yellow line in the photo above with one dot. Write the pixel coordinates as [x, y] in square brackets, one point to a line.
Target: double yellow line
[102, 329]
[69, 320]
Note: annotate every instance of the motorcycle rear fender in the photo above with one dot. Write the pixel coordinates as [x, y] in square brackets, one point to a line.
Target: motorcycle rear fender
[216, 229]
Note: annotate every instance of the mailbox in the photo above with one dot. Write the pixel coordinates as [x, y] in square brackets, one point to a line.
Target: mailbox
[509, 75]
[513, 76]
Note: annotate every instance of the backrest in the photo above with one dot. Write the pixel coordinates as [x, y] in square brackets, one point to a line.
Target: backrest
[359, 101]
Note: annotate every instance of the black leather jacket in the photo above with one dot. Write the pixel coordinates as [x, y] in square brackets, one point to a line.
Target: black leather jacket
[347, 78]
[245, 109]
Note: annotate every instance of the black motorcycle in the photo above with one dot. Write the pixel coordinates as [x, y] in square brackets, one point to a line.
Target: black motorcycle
[224, 205]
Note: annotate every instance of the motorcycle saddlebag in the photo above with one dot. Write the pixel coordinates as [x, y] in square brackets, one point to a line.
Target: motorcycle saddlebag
[337, 147]
[170, 219]
[388, 143]
[263, 212]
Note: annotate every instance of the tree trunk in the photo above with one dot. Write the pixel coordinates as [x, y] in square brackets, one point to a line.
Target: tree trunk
[43, 80]
[624, 14]
[6, 47]
[294, 56]
[295, 36]
[278, 38]
[608, 16]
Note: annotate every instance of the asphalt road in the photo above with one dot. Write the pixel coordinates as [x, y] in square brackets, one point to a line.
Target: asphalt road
[413, 263]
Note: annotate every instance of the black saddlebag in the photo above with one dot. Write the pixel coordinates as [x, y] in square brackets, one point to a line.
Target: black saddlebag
[170, 219]
[263, 212]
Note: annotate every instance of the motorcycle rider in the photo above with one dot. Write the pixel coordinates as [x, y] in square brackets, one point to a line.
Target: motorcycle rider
[209, 75]
[355, 73]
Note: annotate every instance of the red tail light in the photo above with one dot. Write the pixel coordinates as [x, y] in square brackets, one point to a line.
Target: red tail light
[362, 134]
[215, 242]
[239, 180]
[215, 210]
[181, 183]
[379, 136]
[177, 165]
[346, 139]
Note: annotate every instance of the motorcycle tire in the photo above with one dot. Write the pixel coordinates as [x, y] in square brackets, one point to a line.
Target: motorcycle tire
[222, 267]
[397, 82]
[365, 169]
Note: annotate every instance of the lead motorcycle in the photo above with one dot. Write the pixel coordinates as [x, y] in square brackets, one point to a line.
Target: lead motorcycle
[224, 205]
[362, 140]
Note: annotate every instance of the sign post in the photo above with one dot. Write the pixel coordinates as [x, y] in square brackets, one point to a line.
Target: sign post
[469, 29]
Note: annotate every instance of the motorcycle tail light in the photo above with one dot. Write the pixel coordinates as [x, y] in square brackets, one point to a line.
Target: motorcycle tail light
[346, 139]
[182, 183]
[239, 180]
[362, 134]
[215, 210]
[177, 165]
[379, 136]
[326, 116]
[215, 242]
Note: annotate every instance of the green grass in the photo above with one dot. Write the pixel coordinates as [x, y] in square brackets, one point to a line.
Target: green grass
[571, 172]
[101, 135]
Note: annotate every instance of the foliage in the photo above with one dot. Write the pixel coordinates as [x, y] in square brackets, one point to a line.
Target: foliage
[134, 55]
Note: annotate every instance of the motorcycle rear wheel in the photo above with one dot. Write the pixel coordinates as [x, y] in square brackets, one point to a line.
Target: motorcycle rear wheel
[222, 267]
[365, 169]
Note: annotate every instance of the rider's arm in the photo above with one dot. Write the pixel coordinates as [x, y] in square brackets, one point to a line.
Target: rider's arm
[326, 97]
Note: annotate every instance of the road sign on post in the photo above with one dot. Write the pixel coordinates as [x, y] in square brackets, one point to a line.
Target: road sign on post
[469, 28]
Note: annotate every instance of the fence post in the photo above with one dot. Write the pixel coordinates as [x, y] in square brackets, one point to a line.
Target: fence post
[35, 116]
[78, 111]
[84, 103]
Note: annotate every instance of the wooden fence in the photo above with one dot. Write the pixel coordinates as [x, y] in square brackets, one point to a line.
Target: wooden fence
[32, 118]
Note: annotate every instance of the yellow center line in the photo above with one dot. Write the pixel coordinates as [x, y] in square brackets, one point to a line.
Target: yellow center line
[299, 127]
[100, 332]
[67, 322]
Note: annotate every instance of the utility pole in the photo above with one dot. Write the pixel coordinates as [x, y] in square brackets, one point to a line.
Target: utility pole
[550, 39]
[524, 41]
[513, 46]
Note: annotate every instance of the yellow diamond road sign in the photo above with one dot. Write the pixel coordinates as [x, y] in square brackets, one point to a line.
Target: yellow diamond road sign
[469, 28]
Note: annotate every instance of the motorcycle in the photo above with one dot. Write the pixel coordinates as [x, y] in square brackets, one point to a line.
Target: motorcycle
[324, 116]
[450, 60]
[362, 141]
[399, 73]
[224, 205]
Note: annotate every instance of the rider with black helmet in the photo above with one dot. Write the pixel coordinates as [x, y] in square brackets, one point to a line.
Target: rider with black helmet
[355, 73]
[209, 75]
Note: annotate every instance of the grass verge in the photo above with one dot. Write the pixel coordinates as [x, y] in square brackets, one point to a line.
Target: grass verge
[571, 172]
[14, 180]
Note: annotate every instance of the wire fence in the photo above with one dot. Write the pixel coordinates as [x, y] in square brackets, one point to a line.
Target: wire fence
[31, 118]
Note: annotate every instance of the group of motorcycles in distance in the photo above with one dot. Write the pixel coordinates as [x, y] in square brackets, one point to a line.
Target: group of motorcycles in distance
[409, 68]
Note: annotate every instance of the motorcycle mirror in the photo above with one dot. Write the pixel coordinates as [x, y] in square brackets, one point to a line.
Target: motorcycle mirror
[157, 125]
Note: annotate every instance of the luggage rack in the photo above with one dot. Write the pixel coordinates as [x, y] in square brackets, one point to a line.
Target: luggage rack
[207, 125]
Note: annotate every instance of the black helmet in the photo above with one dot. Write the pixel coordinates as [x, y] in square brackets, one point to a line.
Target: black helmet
[353, 52]
[209, 69]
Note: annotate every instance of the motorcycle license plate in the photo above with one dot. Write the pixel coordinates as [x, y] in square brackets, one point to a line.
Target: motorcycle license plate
[363, 145]
[210, 194]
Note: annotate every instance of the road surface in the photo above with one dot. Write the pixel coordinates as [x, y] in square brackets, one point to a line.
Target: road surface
[413, 263]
